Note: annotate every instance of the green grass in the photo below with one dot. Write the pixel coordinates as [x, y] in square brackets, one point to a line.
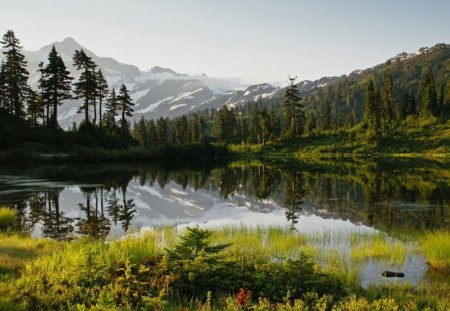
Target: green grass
[340, 254]
[412, 137]
[436, 248]
[7, 216]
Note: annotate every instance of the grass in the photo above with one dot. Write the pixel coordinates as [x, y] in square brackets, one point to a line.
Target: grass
[338, 253]
[16, 251]
[7, 216]
[436, 248]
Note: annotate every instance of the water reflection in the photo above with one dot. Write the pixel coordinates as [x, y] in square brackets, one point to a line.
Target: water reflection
[63, 201]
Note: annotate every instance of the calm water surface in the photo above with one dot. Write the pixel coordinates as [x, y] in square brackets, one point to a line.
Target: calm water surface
[393, 196]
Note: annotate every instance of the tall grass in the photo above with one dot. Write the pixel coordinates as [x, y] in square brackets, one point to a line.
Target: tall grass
[436, 248]
[7, 216]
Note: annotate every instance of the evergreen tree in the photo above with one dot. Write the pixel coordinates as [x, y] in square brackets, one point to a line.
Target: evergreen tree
[254, 124]
[162, 131]
[194, 128]
[15, 75]
[225, 124]
[140, 133]
[408, 105]
[56, 84]
[34, 108]
[372, 110]
[2, 86]
[102, 92]
[446, 108]
[310, 123]
[86, 85]
[389, 109]
[126, 106]
[265, 127]
[152, 136]
[428, 98]
[45, 102]
[326, 114]
[293, 110]
[112, 108]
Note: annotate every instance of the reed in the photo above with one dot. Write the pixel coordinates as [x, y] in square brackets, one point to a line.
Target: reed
[435, 246]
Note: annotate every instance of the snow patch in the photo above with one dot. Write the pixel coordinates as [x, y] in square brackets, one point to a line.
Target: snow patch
[177, 106]
[153, 106]
[187, 95]
[138, 95]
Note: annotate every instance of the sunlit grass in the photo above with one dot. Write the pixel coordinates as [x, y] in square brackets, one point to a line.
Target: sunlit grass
[7, 216]
[436, 248]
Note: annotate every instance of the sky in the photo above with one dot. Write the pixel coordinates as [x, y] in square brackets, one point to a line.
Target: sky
[255, 41]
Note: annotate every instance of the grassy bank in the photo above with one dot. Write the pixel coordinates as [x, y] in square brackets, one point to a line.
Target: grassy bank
[412, 137]
[232, 268]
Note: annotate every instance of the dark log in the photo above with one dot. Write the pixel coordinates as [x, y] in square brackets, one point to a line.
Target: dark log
[390, 274]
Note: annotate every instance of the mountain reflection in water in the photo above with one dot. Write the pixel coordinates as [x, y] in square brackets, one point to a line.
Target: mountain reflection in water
[108, 200]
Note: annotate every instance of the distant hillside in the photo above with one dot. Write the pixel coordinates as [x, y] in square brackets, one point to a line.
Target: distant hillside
[346, 93]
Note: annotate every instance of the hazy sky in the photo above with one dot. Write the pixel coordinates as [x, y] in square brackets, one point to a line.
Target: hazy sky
[255, 40]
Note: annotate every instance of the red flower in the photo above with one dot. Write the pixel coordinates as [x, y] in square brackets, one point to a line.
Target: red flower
[243, 296]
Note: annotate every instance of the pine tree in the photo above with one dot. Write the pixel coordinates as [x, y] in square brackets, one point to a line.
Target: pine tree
[293, 110]
[125, 105]
[326, 114]
[141, 133]
[45, 102]
[372, 112]
[389, 108]
[446, 108]
[162, 131]
[112, 108]
[428, 98]
[102, 92]
[15, 75]
[310, 124]
[369, 105]
[2, 86]
[265, 126]
[152, 136]
[34, 108]
[56, 84]
[86, 86]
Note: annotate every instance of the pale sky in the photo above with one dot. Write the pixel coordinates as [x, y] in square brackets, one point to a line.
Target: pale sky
[254, 40]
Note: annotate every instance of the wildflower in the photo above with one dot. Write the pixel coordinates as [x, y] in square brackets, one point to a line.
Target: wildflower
[243, 296]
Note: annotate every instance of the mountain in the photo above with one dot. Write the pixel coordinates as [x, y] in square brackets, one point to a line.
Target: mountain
[347, 92]
[158, 92]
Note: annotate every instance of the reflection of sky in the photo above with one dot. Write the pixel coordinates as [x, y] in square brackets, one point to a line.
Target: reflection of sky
[173, 205]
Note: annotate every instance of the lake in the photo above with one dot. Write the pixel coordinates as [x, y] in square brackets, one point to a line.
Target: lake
[396, 196]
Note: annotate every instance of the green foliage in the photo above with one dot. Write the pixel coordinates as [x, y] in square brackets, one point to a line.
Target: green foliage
[273, 280]
[198, 267]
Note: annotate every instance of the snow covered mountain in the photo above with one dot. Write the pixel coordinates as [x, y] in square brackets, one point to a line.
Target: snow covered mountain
[156, 92]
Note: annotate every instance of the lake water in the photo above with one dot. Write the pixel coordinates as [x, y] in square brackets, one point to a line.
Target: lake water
[310, 196]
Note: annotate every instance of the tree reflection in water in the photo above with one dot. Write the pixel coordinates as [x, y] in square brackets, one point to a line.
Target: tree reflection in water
[388, 195]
